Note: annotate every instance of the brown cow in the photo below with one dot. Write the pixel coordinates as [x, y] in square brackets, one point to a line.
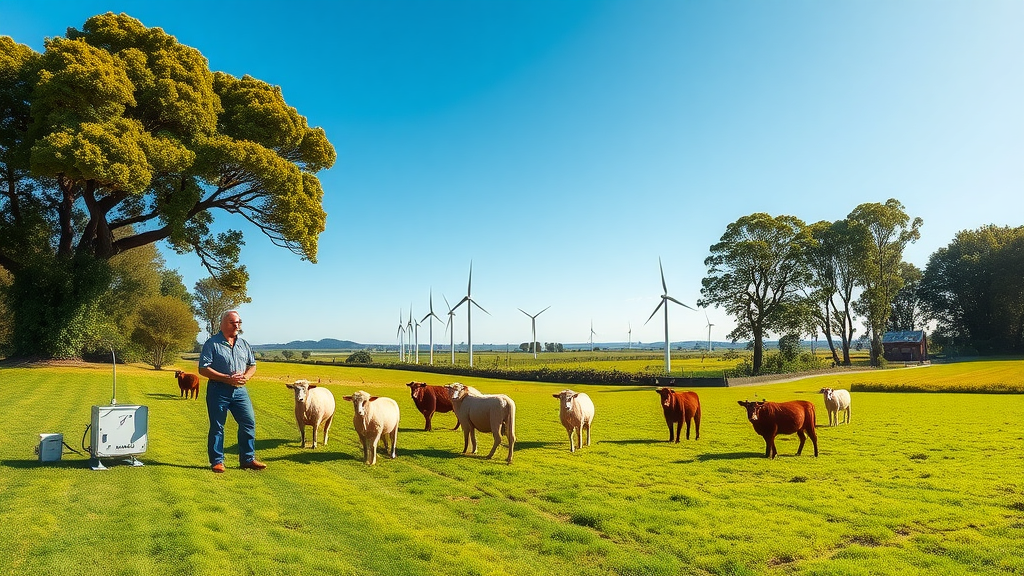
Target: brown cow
[188, 383]
[772, 418]
[680, 407]
[430, 399]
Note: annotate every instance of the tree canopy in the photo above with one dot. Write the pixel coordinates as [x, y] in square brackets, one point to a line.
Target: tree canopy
[754, 273]
[974, 289]
[118, 136]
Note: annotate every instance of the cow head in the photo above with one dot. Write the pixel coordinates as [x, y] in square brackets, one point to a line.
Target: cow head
[178, 373]
[666, 396]
[417, 389]
[359, 401]
[301, 389]
[752, 408]
[566, 397]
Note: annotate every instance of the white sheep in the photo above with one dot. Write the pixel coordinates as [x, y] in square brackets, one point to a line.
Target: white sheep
[485, 412]
[375, 417]
[313, 406]
[836, 401]
[576, 411]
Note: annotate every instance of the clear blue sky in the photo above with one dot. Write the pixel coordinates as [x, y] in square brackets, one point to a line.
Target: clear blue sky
[563, 147]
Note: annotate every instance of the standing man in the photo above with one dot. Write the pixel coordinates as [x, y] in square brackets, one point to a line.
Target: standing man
[228, 361]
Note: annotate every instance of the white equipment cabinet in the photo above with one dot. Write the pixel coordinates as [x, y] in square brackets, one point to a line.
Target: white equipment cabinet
[119, 431]
[51, 447]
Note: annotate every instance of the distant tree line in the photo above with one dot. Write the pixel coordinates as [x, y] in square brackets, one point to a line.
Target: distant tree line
[778, 274]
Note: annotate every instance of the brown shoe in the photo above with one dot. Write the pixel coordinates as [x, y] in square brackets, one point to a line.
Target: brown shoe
[253, 465]
[218, 468]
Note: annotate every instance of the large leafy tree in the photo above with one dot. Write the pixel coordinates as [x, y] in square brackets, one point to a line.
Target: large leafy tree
[907, 313]
[833, 256]
[755, 273]
[884, 231]
[118, 126]
[212, 300]
[974, 289]
[164, 327]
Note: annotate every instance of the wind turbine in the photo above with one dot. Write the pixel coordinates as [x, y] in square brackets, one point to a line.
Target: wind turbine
[665, 299]
[434, 316]
[469, 302]
[533, 326]
[416, 332]
[449, 324]
[408, 328]
[592, 335]
[401, 338]
[629, 344]
[709, 330]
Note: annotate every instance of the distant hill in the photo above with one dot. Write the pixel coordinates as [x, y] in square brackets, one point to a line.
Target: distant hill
[325, 344]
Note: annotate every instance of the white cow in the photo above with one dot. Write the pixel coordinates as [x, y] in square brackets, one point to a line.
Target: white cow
[576, 411]
[836, 401]
[484, 412]
[313, 406]
[375, 417]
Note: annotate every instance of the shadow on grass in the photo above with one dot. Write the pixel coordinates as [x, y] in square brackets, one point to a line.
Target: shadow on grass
[310, 456]
[729, 456]
[79, 463]
[532, 445]
[431, 453]
[168, 396]
[633, 441]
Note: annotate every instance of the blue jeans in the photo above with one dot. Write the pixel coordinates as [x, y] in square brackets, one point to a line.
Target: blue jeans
[221, 399]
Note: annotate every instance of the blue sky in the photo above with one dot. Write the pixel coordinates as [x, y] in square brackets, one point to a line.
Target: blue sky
[563, 147]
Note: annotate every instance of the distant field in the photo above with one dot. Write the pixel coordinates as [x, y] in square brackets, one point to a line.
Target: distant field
[916, 484]
[970, 376]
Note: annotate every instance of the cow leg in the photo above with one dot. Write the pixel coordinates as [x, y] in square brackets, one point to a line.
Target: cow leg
[687, 428]
[814, 439]
[803, 438]
[768, 447]
[428, 415]
[679, 431]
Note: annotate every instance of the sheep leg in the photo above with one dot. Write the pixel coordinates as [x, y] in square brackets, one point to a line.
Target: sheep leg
[588, 434]
[302, 434]
[466, 432]
[497, 441]
[327, 427]
[315, 426]
[373, 448]
[394, 443]
[571, 448]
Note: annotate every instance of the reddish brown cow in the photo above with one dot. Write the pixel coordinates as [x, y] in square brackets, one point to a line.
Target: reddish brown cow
[680, 407]
[772, 418]
[188, 383]
[430, 399]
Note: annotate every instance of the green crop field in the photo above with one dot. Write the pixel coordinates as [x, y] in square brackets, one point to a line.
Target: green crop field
[918, 483]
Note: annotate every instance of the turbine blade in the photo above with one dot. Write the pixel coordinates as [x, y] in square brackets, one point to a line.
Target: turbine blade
[660, 304]
[473, 302]
[524, 312]
[542, 311]
[680, 303]
[663, 285]
[446, 303]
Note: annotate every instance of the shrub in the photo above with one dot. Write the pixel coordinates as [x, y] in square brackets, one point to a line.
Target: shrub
[359, 357]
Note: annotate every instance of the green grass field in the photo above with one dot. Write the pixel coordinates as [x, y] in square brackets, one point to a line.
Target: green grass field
[916, 484]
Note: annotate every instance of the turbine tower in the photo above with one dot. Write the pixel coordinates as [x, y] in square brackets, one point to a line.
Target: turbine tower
[469, 302]
[533, 327]
[401, 338]
[629, 335]
[665, 299]
[592, 335]
[408, 327]
[709, 330]
[450, 324]
[433, 317]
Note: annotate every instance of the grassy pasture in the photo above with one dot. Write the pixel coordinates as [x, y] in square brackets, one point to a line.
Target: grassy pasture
[916, 484]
